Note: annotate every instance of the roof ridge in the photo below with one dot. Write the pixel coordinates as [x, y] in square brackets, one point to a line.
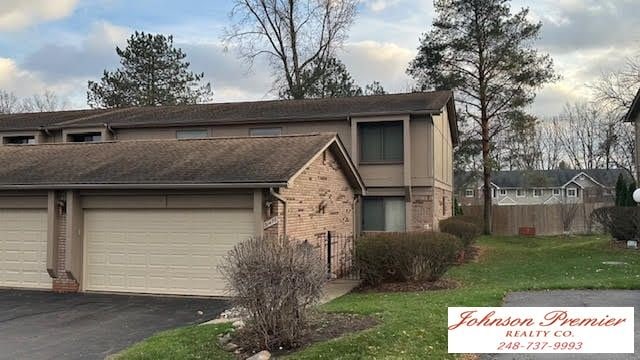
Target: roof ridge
[217, 138]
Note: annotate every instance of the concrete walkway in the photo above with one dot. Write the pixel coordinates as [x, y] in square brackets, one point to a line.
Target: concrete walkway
[337, 288]
[575, 298]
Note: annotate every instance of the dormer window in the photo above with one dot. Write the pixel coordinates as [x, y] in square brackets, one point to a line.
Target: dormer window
[85, 137]
[19, 140]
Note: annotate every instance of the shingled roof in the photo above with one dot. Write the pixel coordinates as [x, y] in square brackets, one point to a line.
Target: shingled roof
[541, 178]
[239, 112]
[216, 162]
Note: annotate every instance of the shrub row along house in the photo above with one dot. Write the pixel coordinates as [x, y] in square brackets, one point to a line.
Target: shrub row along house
[147, 200]
[542, 187]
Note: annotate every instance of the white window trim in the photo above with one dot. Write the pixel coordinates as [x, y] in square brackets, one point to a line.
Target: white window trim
[503, 192]
[524, 193]
[469, 193]
[541, 193]
[557, 192]
[575, 193]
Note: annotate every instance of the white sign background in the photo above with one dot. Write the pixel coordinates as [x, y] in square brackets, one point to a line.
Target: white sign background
[554, 335]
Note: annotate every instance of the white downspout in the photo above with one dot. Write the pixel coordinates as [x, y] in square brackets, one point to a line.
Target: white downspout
[284, 206]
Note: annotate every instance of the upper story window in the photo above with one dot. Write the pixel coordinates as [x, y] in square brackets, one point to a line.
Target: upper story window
[538, 192]
[192, 134]
[85, 137]
[572, 192]
[556, 192]
[469, 193]
[383, 214]
[503, 192]
[265, 131]
[520, 192]
[381, 142]
[19, 140]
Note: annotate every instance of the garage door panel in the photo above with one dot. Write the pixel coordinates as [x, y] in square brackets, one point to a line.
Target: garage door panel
[167, 251]
[23, 248]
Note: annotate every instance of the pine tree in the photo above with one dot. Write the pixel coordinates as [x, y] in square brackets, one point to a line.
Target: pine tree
[153, 72]
[486, 53]
[621, 191]
[629, 194]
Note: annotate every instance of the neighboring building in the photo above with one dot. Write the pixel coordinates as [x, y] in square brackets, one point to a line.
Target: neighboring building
[634, 116]
[541, 187]
[148, 199]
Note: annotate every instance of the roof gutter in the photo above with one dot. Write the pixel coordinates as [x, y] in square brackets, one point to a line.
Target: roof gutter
[284, 206]
[143, 186]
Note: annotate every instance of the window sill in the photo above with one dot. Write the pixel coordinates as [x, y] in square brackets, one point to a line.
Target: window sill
[381, 162]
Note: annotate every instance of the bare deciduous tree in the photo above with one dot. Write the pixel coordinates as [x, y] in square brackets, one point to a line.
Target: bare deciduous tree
[9, 103]
[294, 35]
[47, 101]
[616, 89]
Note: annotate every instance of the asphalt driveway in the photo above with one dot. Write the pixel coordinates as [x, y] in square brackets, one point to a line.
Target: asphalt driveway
[575, 298]
[42, 325]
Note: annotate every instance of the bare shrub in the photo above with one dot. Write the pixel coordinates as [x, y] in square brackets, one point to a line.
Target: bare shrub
[467, 232]
[276, 280]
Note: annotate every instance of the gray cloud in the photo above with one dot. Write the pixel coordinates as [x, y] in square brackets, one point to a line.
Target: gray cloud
[591, 24]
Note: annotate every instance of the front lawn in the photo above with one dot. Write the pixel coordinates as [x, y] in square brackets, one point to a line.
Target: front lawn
[413, 325]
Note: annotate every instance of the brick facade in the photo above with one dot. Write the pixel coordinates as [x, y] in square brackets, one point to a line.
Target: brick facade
[320, 200]
[63, 284]
[443, 201]
[428, 207]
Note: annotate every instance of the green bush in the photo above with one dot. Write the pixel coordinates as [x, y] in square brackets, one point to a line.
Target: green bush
[402, 257]
[470, 219]
[622, 223]
[467, 232]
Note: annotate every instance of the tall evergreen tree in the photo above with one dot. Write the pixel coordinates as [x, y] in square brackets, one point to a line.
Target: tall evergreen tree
[485, 53]
[153, 72]
[621, 191]
[629, 195]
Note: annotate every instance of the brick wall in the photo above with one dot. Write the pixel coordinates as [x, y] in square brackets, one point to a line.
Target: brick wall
[443, 205]
[421, 210]
[320, 200]
[428, 207]
[63, 283]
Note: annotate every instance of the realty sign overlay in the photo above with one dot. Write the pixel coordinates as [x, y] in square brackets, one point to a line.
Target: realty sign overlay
[541, 330]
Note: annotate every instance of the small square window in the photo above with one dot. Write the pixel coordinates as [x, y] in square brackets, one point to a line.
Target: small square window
[572, 192]
[538, 192]
[520, 192]
[192, 134]
[265, 131]
[503, 192]
[469, 193]
[556, 192]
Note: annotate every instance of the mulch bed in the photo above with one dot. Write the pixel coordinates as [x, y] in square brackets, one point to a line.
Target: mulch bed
[325, 326]
[441, 284]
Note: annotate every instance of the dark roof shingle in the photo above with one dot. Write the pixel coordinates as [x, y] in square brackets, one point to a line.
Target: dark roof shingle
[206, 161]
[240, 112]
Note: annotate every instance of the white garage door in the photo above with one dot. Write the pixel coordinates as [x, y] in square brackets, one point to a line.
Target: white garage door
[163, 251]
[23, 249]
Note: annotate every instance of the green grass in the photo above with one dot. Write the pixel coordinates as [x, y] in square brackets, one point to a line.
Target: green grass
[413, 325]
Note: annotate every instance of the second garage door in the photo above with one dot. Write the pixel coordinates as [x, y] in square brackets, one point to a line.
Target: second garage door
[161, 251]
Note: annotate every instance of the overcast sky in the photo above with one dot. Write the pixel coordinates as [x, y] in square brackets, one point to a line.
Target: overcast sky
[60, 44]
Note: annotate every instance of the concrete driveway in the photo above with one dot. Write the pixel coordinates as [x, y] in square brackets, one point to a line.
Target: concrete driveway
[568, 298]
[43, 325]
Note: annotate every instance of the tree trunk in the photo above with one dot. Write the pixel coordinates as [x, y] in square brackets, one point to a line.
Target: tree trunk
[486, 163]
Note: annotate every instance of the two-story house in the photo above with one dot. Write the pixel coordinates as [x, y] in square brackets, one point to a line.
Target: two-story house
[541, 187]
[147, 199]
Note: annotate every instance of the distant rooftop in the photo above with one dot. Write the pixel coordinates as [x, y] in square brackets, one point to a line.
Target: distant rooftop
[541, 178]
